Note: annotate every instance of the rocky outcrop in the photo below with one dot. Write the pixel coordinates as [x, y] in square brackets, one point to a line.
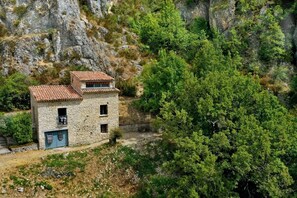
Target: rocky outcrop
[195, 10]
[100, 7]
[37, 34]
[289, 28]
[295, 39]
[221, 14]
[45, 32]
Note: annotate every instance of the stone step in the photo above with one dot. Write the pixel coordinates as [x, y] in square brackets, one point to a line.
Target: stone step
[4, 151]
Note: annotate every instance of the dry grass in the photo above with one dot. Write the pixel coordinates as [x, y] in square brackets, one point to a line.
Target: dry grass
[89, 173]
[130, 115]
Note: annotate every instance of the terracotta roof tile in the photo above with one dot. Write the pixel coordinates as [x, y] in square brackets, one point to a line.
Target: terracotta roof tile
[44, 93]
[91, 75]
[99, 90]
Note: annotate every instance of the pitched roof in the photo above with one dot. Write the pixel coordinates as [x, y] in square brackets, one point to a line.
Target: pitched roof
[45, 93]
[91, 75]
[100, 90]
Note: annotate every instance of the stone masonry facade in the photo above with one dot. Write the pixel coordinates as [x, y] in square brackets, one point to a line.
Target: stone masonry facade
[84, 117]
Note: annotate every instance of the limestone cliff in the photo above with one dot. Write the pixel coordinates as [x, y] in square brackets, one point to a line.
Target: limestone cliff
[222, 16]
[40, 33]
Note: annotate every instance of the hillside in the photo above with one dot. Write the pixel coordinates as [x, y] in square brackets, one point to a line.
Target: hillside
[37, 35]
[219, 76]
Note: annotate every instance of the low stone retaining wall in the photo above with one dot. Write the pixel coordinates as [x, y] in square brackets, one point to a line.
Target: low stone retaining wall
[136, 127]
[22, 148]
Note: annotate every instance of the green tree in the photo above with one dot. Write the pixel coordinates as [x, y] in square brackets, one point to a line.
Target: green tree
[164, 29]
[161, 77]
[199, 25]
[14, 94]
[231, 138]
[19, 127]
[272, 39]
[208, 58]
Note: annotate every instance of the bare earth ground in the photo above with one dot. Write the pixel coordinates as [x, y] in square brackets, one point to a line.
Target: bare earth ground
[10, 162]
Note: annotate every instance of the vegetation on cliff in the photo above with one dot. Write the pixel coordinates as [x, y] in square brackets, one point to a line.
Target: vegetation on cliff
[224, 99]
[226, 135]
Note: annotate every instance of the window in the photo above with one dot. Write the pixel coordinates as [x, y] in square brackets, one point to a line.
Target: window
[62, 116]
[96, 84]
[104, 128]
[103, 110]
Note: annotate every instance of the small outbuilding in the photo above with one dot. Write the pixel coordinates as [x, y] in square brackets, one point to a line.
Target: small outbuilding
[81, 113]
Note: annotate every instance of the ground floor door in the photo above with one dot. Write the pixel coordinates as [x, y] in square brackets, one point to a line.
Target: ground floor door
[55, 139]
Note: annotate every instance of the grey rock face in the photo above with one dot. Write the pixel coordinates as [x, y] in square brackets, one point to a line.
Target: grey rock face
[190, 12]
[51, 31]
[100, 7]
[221, 14]
[295, 38]
[96, 7]
[288, 26]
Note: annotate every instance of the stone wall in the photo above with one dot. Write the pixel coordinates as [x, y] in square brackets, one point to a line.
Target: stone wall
[22, 148]
[83, 117]
[75, 83]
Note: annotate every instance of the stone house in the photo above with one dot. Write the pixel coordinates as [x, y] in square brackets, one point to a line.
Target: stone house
[81, 113]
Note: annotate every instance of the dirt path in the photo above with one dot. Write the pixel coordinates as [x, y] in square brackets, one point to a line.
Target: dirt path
[10, 162]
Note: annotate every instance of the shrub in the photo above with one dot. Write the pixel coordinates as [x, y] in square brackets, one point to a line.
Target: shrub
[46, 185]
[19, 127]
[114, 135]
[3, 30]
[20, 10]
[129, 53]
[14, 92]
[127, 87]
[66, 78]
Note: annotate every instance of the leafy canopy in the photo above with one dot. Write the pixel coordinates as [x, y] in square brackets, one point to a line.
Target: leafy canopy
[160, 77]
[164, 29]
[19, 127]
[14, 92]
[230, 138]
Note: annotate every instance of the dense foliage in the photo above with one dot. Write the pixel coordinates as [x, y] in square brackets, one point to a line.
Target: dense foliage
[164, 29]
[19, 127]
[14, 92]
[230, 137]
[224, 134]
[225, 131]
[161, 77]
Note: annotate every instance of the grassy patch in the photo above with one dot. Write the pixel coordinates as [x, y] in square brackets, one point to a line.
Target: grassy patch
[104, 171]
[20, 10]
[44, 184]
[67, 162]
[129, 158]
[20, 181]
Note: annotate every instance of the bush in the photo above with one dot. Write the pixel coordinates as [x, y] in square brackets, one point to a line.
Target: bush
[127, 87]
[66, 78]
[114, 135]
[20, 10]
[19, 127]
[3, 30]
[14, 92]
